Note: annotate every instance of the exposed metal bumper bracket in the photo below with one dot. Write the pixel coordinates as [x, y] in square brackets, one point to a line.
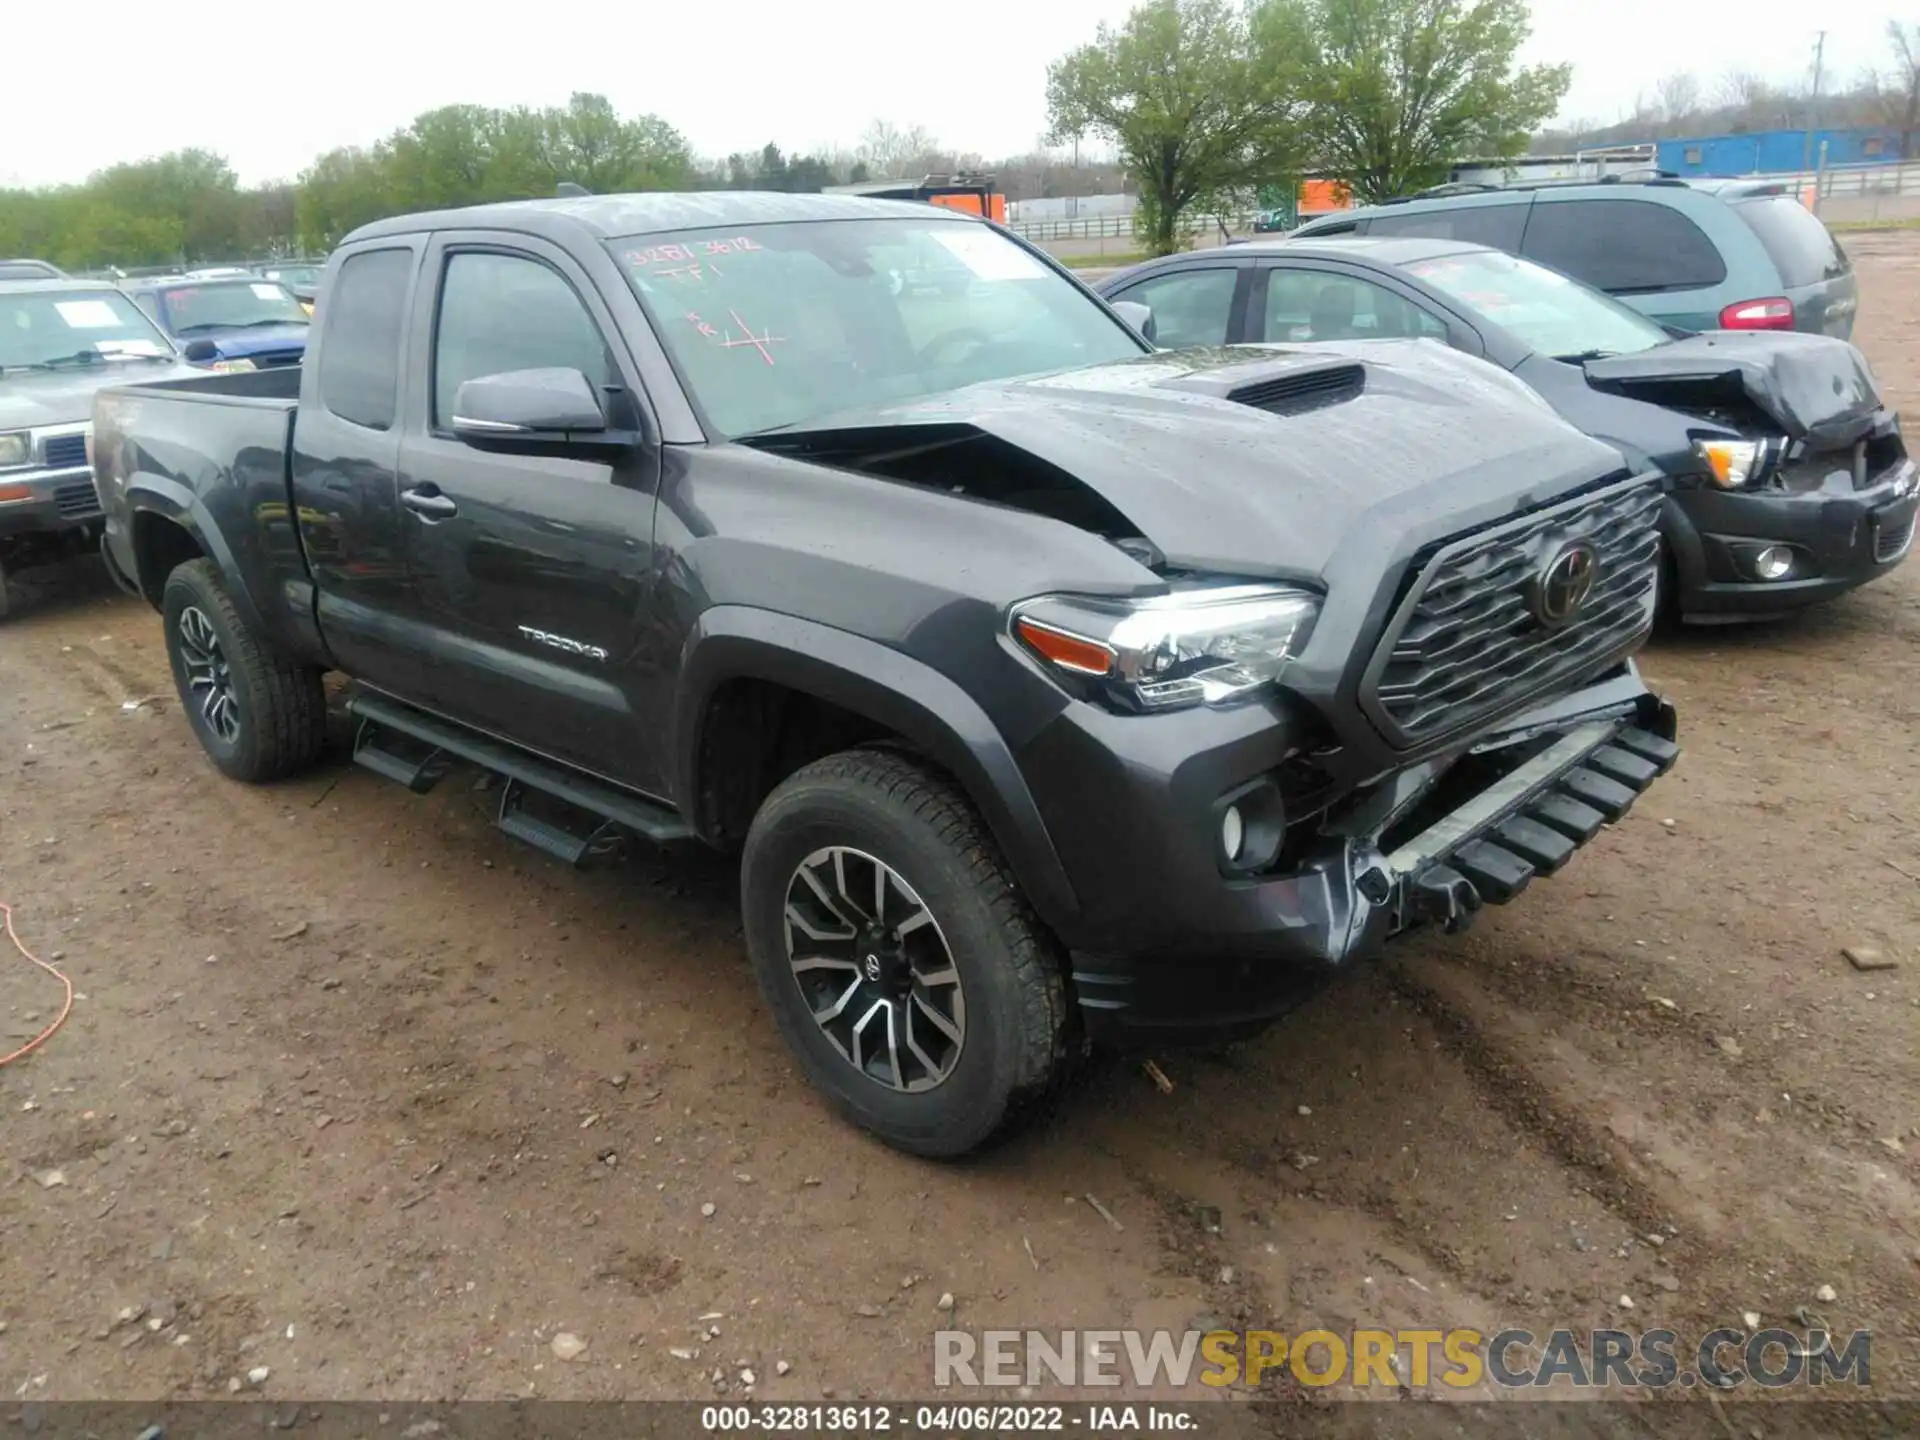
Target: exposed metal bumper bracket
[1528, 823]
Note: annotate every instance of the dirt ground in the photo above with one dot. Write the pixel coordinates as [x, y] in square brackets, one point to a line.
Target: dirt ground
[364, 1093]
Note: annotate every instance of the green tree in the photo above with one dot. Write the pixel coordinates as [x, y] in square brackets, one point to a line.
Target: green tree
[1199, 97]
[1402, 89]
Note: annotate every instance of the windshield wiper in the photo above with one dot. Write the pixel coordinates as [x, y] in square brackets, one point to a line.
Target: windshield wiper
[1580, 357]
[256, 324]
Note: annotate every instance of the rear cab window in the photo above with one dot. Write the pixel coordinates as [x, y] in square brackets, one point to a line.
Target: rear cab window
[1626, 246]
[1802, 249]
[360, 345]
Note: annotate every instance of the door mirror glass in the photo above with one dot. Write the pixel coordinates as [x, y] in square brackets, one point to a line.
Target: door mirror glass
[493, 411]
[1139, 316]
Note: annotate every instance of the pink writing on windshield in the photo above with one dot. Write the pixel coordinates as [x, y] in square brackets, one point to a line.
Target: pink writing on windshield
[745, 339]
[680, 255]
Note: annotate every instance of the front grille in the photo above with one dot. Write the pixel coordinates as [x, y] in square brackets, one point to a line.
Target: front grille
[1295, 394]
[76, 500]
[1892, 542]
[1466, 641]
[63, 452]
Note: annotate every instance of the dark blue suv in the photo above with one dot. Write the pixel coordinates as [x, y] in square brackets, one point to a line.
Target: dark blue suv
[238, 322]
[1696, 255]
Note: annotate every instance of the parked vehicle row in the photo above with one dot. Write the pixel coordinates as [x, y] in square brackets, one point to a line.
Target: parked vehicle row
[1697, 254]
[1788, 478]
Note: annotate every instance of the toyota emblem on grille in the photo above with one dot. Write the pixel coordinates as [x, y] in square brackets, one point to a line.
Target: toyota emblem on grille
[1564, 583]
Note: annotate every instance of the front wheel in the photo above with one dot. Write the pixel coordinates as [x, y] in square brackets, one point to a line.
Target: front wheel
[905, 971]
[258, 716]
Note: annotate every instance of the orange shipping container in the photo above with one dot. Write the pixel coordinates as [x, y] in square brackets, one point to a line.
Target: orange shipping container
[1317, 197]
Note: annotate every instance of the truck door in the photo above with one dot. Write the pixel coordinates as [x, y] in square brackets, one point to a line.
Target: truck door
[346, 447]
[532, 571]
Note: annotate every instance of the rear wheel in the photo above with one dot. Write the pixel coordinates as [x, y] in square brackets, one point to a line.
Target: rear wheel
[905, 971]
[258, 716]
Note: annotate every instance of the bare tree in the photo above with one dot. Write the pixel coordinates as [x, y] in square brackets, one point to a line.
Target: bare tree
[891, 150]
[1904, 43]
[1741, 90]
[1679, 95]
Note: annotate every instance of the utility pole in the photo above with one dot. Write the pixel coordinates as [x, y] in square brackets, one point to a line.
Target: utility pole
[1813, 99]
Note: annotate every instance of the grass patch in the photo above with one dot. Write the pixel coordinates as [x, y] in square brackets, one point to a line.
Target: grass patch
[1856, 227]
[1092, 262]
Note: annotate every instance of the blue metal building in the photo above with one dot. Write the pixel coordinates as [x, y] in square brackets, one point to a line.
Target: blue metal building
[1777, 152]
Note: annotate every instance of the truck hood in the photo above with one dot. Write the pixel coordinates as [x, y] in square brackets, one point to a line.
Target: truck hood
[32, 398]
[240, 344]
[1814, 387]
[1251, 460]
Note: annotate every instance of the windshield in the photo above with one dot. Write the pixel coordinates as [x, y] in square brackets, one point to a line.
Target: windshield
[1541, 307]
[48, 328]
[778, 326]
[229, 304]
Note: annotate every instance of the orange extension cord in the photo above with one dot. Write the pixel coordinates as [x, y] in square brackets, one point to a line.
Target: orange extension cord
[65, 1010]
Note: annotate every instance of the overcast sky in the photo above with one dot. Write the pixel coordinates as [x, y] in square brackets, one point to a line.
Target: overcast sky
[271, 86]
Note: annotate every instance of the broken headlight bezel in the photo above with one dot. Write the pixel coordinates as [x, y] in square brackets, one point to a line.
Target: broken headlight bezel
[1743, 464]
[1214, 645]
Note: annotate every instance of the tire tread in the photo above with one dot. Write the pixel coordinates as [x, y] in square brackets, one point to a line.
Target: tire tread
[285, 698]
[1041, 1050]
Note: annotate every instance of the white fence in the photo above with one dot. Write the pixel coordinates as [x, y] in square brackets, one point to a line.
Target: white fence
[1852, 192]
[1118, 227]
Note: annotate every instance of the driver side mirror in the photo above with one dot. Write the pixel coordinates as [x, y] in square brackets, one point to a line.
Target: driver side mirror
[534, 412]
[1139, 317]
[200, 352]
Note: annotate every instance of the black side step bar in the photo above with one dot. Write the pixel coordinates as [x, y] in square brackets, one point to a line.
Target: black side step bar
[571, 816]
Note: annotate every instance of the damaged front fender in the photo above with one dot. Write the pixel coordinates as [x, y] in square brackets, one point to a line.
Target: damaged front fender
[1815, 388]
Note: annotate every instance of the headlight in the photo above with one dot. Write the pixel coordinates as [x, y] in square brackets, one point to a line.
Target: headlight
[231, 367]
[16, 448]
[1195, 647]
[1735, 464]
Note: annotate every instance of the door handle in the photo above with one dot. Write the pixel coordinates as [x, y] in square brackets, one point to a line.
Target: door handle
[427, 502]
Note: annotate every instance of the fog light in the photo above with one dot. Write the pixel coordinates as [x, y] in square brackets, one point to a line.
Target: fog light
[1773, 563]
[1233, 832]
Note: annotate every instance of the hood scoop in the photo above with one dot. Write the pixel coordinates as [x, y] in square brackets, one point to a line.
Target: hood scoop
[1302, 392]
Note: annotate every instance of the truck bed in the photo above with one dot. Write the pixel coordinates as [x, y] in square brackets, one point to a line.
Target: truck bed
[213, 451]
[279, 384]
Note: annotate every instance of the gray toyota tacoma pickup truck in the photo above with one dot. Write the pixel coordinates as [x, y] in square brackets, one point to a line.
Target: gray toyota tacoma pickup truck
[1054, 690]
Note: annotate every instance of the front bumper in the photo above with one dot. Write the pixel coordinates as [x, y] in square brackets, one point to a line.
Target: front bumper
[57, 500]
[1840, 538]
[1190, 953]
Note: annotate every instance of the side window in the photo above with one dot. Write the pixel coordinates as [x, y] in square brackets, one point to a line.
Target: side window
[500, 313]
[149, 306]
[1305, 305]
[1624, 246]
[360, 346]
[1496, 225]
[1190, 307]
